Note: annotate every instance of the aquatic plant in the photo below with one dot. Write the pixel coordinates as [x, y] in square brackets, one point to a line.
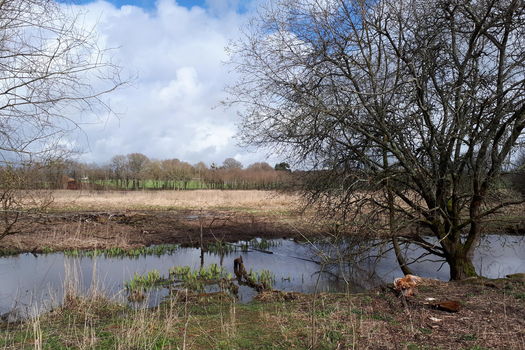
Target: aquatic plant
[142, 282]
[263, 277]
[211, 272]
[188, 278]
[9, 252]
[259, 244]
[179, 271]
[220, 247]
[158, 250]
[263, 244]
[197, 279]
[47, 250]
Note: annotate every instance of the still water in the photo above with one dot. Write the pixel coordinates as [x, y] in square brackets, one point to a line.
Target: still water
[31, 284]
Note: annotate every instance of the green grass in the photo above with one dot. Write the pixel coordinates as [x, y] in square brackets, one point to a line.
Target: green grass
[468, 337]
[156, 185]
[520, 296]
[185, 185]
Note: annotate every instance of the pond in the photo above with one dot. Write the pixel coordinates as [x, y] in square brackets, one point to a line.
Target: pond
[31, 283]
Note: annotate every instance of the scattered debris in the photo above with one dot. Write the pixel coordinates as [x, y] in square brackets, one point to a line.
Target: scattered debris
[435, 319]
[407, 284]
[446, 305]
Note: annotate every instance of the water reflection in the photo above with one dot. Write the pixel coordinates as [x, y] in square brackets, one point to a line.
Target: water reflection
[30, 282]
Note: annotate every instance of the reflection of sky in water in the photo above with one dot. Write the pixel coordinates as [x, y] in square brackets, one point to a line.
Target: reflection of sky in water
[27, 280]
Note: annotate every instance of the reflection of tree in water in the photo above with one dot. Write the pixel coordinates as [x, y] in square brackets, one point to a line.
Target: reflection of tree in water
[348, 261]
[495, 254]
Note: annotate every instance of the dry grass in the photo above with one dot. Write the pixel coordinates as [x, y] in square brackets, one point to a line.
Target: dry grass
[198, 199]
[88, 219]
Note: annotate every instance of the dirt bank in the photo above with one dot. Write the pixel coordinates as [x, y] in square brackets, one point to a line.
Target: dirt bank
[127, 229]
[86, 229]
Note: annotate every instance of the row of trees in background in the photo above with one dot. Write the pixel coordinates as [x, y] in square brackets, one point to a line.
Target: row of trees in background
[136, 171]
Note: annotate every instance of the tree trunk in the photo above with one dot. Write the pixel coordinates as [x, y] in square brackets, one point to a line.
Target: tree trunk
[461, 266]
[400, 257]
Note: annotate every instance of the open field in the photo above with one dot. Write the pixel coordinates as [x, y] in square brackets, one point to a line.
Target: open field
[108, 219]
[88, 220]
[245, 200]
[490, 317]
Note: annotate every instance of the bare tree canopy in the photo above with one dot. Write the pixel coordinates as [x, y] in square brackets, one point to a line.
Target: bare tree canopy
[231, 163]
[53, 74]
[421, 100]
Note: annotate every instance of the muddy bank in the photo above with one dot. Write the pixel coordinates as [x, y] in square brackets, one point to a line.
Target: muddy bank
[136, 228]
[128, 229]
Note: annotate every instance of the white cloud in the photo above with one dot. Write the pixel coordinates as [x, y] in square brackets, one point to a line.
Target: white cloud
[170, 111]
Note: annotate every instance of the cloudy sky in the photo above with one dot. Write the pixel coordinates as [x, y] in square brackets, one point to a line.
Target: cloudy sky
[176, 52]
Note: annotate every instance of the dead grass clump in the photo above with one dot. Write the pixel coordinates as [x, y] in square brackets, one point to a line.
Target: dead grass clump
[277, 295]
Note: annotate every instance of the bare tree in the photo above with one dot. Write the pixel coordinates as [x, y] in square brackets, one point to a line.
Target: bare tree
[231, 163]
[53, 77]
[260, 166]
[118, 165]
[137, 165]
[408, 107]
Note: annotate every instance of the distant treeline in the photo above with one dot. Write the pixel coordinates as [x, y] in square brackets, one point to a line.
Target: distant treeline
[136, 171]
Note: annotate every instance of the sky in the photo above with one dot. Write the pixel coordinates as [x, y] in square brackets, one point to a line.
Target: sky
[175, 52]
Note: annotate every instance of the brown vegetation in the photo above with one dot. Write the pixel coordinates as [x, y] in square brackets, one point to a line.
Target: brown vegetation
[126, 219]
[88, 220]
[491, 317]
[245, 200]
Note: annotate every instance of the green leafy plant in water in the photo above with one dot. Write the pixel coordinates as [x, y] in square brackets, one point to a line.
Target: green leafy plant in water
[261, 244]
[142, 282]
[9, 252]
[47, 250]
[197, 279]
[158, 250]
[264, 277]
[221, 247]
[211, 272]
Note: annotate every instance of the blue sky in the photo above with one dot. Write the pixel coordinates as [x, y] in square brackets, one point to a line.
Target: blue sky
[176, 52]
[145, 4]
[241, 6]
